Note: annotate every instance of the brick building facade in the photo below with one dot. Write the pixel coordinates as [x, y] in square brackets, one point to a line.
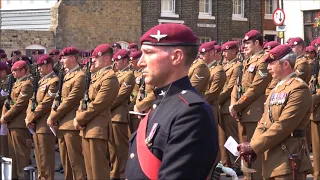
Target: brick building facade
[87, 23]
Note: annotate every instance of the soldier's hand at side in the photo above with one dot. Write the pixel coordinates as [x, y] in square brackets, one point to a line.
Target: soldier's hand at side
[77, 125]
[49, 122]
[233, 112]
[247, 152]
[135, 109]
[2, 121]
[31, 125]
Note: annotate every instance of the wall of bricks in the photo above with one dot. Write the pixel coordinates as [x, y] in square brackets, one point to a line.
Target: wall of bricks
[267, 24]
[18, 40]
[88, 23]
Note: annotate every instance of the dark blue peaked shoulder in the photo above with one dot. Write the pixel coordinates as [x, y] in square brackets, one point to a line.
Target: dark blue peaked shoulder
[190, 98]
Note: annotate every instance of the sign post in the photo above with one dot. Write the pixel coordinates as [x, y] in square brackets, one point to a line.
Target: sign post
[278, 17]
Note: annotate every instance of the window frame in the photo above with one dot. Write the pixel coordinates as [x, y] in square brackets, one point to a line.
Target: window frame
[274, 6]
[169, 13]
[238, 17]
[206, 15]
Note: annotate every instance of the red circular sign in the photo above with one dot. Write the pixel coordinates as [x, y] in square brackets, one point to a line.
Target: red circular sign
[278, 17]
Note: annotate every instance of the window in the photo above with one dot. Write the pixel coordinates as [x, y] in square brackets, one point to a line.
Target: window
[205, 9]
[168, 8]
[311, 25]
[270, 6]
[238, 10]
[204, 39]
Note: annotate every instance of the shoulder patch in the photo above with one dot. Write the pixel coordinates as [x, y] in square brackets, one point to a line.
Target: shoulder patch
[190, 98]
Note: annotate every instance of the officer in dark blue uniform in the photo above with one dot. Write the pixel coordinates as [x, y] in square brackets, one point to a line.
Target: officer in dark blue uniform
[177, 139]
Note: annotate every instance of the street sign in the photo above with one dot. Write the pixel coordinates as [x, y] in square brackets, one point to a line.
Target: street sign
[278, 17]
[280, 34]
[281, 28]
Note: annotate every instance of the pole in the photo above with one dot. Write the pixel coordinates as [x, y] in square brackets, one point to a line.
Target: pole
[281, 7]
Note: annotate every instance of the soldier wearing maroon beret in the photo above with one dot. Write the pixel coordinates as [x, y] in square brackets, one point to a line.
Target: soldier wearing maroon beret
[199, 73]
[229, 125]
[15, 55]
[120, 114]
[13, 115]
[215, 86]
[116, 47]
[267, 47]
[63, 113]
[247, 109]
[310, 55]
[301, 66]
[3, 57]
[36, 119]
[181, 123]
[281, 130]
[133, 47]
[55, 55]
[2, 51]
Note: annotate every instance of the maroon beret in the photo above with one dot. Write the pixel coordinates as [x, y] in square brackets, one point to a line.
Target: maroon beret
[230, 45]
[278, 53]
[295, 41]
[214, 42]
[100, 50]
[251, 34]
[3, 55]
[135, 55]
[288, 41]
[205, 47]
[271, 45]
[310, 49]
[317, 41]
[133, 45]
[2, 51]
[121, 54]
[116, 45]
[69, 51]
[217, 48]
[54, 52]
[44, 59]
[15, 53]
[24, 58]
[169, 35]
[85, 61]
[313, 43]
[18, 65]
[4, 66]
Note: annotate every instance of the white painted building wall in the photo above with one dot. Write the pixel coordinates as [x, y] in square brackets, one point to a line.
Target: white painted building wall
[293, 10]
[27, 4]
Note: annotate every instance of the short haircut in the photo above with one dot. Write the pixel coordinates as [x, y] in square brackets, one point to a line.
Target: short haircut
[259, 38]
[291, 57]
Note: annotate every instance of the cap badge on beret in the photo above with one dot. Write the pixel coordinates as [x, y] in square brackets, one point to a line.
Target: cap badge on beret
[62, 53]
[271, 56]
[159, 36]
[246, 38]
[203, 50]
[269, 47]
[45, 62]
[227, 47]
[119, 57]
[99, 53]
[131, 58]
[295, 43]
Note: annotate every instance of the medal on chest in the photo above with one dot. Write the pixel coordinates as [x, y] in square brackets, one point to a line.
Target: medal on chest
[153, 131]
[278, 98]
[251, 68]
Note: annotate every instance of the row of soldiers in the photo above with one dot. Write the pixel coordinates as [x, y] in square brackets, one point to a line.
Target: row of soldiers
[93, 132]
[236, 82]
[85, 103]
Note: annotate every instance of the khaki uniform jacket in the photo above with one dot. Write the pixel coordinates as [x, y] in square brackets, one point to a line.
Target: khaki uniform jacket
[119, 109]
[199, 75]
[47, 90]
[290, 107]
[135, 91]
[216, 82]
[255, 79]
[72, 93]
[232, 73]
[96, 119]
[302, 69]
[20, 95]
[4, 91]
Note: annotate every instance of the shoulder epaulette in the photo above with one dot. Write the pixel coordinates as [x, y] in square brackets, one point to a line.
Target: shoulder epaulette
[190, 98]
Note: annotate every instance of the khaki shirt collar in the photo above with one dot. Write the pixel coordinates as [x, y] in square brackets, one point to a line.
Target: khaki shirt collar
[73, 69]
[213, 63]
[285, 79]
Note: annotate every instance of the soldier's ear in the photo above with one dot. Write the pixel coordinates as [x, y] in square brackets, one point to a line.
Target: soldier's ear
[177, 56]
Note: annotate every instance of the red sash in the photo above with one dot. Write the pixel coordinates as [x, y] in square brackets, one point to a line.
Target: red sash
[149, 163]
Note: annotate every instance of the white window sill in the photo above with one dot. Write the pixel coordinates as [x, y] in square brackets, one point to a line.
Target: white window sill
[237, 18]
[268, 16]
[161, 21]
[171, 15]
[202, 16]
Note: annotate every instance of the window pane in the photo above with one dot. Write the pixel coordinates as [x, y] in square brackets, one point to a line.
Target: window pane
[207, 8]
[201, 6]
